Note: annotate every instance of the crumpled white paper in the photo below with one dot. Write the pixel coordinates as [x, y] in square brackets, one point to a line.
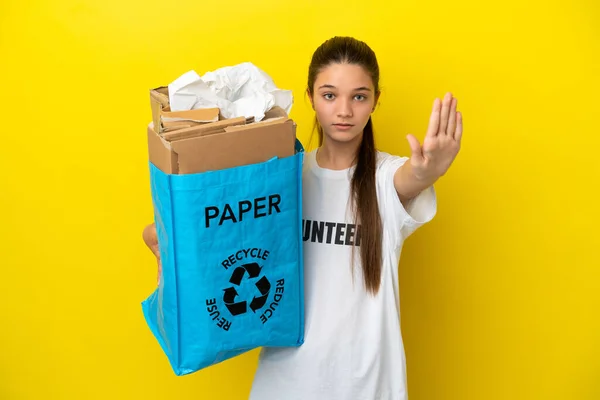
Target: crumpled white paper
[240, 90]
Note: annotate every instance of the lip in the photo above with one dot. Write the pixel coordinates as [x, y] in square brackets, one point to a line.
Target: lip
[343, 127]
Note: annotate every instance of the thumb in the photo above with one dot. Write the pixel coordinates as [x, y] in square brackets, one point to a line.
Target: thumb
[150, 238]
[415, 147]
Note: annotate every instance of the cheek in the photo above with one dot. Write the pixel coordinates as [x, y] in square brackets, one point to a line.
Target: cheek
[364, 110]
[322, 108]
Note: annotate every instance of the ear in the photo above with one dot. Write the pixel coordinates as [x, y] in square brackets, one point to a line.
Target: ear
[376, 101]
[312, 103]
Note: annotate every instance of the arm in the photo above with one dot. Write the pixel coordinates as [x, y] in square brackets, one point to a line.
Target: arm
[440, 147]
[407, 184]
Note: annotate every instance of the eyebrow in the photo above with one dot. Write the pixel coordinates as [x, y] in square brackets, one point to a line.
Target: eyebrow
[333, 87]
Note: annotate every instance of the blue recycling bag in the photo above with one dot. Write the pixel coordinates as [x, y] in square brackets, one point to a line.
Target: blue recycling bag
[232, 269]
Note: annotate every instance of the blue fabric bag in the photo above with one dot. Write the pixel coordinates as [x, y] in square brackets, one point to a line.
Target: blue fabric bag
[232, 269]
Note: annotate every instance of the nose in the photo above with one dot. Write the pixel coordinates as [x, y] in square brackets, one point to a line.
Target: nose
[344, 109]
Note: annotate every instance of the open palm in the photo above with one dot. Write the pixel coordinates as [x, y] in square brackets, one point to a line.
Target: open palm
[441, 143]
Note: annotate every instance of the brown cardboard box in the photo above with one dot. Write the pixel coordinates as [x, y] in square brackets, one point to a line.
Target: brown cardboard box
[194, 145]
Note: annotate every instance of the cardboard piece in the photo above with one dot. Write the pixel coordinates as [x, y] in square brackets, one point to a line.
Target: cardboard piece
[202, 130]
[226, 143]
[164, 119]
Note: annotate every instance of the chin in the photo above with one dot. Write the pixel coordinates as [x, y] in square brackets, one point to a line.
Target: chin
[344, 137]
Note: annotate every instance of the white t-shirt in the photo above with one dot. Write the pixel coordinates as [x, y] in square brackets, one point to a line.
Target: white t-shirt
[353, 347]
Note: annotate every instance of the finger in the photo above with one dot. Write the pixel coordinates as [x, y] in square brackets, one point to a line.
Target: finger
[415, 148]
[459, 127]
[434, 120]
[452, 118]
[159, 272]
[445, 112]
[156, 250]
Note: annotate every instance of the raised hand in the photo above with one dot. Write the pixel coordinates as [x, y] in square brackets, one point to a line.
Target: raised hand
[441, 143]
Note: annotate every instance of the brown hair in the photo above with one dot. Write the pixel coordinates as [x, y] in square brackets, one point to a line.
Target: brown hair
[347, 50]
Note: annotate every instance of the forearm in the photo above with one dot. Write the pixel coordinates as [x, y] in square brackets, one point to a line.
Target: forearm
[408, 185]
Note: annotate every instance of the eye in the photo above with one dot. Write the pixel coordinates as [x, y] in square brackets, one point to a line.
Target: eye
[360, 97]
[328, 96]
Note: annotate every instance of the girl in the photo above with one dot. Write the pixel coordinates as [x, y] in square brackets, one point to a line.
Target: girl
[368, 202]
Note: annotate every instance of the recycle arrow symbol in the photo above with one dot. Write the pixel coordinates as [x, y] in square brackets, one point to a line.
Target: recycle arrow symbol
[229, 299]
[253, 270]
[263, 286]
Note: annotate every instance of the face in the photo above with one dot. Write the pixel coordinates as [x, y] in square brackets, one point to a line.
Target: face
[343, 98]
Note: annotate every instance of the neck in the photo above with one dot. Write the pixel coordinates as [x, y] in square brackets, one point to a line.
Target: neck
[338, 155]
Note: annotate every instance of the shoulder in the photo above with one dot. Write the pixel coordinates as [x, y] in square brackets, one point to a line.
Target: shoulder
[387, 162]
[308, 159]
[386, 166]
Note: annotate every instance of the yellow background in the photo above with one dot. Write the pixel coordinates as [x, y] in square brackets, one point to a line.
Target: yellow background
[500, 293]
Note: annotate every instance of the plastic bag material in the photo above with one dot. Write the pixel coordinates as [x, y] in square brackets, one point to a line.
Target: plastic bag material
[232, 264]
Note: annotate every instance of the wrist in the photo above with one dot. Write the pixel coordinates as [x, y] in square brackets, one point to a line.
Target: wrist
[411, 182]
[420, 178]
